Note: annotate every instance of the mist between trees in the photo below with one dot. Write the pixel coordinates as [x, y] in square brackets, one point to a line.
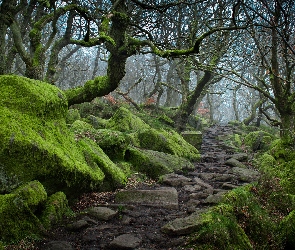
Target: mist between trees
[227, 60]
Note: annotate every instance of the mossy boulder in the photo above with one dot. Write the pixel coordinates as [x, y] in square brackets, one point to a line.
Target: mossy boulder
[114, 143]
[193, 137]
[96, 158]
[96, 122]
[35, 143]
[169, 142]
[154, 163]
[72, 115]
[55, 207]
[123, 120]
[279, 162]
[219, 229]
[258, 140]
[20, 210]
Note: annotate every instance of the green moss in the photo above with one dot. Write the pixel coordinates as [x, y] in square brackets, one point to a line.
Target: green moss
[17, 218]
[56, 207]
[166, 120]
[33, 193]
[34, 140]
[115, 177]
[154, 163]
[168, 142]
[123, 120]
[258, 140]
[266, 162]
[237, 140]
[219, 231]
[287, 228]
[281, 152]
[98, 87]
[193, 137]
[113, 143]
[96, 122]
[279, 163]
[257, 222]
[72, 115]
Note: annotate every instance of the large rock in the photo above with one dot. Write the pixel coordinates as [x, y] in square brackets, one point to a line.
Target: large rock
[35, 142]
[234, 163]
[102, 213]
[125, 241]
[123, 120]
[113, 143]
[20, 211]
[183, 226]
[193, 137]
[246, 175]
[164, 197]
[154, 163]
[167, 142]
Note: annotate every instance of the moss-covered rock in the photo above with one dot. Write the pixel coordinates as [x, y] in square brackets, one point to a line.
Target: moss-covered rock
[279, 162]
[72, 115]
[113, 143]
[55, 208]
[96, 122]
[154, 163]
[35, 143]
[96, 158]
[27, 212]
[258, 140]
[219, 229]
[123, 120]
[17, 218]
[167, 142]
[193, 137]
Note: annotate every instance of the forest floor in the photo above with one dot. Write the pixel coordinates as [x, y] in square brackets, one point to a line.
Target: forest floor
[138, 225]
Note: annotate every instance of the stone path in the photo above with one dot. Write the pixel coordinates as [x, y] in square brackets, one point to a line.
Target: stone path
[158, 216]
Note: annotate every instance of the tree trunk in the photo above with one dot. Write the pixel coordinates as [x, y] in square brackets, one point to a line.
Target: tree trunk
[119, 52]
[187, 108]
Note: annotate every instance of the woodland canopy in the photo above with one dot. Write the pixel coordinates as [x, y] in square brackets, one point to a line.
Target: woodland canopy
[189, 54]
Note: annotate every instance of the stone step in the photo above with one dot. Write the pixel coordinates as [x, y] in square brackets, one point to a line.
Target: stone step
[166, 197]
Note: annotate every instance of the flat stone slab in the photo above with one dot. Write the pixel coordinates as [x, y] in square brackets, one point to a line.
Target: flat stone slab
[183, 226]
[232, 162]
[240, 156]
[102, 213]
[125, 241]
[58, 245]
[246, 175]
[214, 198]
[164, 197]
[175, 180]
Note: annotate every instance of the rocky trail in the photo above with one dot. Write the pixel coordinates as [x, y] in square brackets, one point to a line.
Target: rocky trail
[150, 215]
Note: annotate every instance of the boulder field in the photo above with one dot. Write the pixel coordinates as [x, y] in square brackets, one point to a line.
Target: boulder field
[41, 146]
